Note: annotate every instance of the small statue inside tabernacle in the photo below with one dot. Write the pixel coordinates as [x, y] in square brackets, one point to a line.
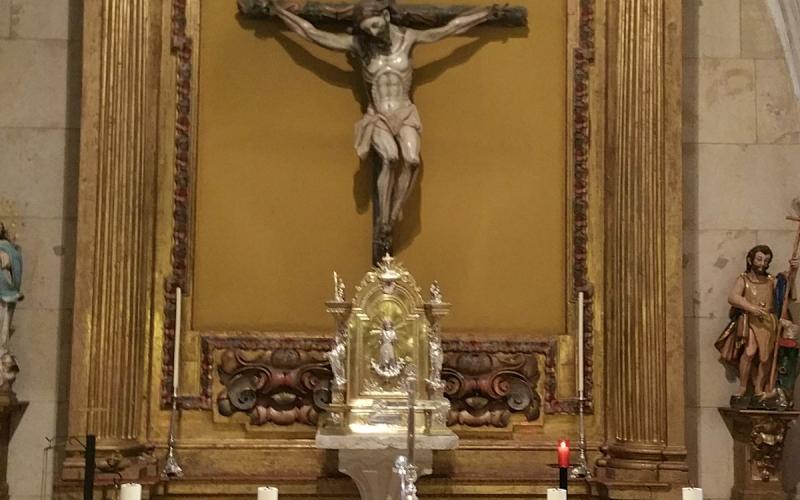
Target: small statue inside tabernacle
[760, 339]
[387, 365]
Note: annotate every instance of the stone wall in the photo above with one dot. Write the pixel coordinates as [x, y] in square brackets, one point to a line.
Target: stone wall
[742, 169]
[39, 137]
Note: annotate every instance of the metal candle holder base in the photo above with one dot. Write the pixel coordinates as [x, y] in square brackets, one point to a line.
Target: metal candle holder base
[407, 473]
[581, 470]
[172, 469]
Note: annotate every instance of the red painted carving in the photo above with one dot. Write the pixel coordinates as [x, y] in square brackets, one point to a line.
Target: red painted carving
[282, 386]
[485, 389]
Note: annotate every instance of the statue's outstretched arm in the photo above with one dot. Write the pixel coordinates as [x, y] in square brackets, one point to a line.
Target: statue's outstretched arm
[457, 25]
[305, 29]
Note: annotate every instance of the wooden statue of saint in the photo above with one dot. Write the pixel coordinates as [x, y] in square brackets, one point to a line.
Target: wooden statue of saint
[753, 339]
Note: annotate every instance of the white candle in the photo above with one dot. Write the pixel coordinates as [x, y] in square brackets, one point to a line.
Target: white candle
[267, 493]
[693, 494]
[580, 344]
[177, 360]
[556, 494]
[130, 491]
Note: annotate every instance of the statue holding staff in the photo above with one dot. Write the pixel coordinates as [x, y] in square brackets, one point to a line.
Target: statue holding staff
[749, 341]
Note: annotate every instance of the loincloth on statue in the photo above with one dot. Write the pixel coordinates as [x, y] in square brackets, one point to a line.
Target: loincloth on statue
[765, 331]
[391, 122]
[735, 337]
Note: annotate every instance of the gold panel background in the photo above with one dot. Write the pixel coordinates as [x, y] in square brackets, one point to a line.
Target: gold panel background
[282, 201]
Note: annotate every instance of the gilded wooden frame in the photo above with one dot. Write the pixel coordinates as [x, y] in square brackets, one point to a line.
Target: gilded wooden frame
[139, 56]
[580, 57]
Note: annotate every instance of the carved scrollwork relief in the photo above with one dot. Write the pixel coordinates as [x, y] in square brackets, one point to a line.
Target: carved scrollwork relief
[486, 388]
[286, 381]
[282, 386]
[766, 441]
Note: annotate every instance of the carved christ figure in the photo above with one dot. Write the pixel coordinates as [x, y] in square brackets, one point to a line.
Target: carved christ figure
[391, 125]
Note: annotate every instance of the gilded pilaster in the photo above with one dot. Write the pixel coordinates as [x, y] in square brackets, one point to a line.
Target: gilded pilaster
[643, 246]
[114, 262]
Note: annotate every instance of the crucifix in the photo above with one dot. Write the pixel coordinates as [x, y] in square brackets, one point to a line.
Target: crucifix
[381, 35]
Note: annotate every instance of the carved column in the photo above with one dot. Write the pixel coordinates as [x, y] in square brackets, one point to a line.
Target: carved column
[114, 261]
[645, 348]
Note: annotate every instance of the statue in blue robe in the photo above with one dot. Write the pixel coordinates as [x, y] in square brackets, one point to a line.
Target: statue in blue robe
[10, 284]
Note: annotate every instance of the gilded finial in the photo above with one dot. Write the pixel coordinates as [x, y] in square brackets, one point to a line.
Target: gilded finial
[436, 293]
[389, 273]
[338, 288]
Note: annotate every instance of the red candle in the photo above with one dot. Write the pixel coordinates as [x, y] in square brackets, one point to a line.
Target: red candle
[563, 453]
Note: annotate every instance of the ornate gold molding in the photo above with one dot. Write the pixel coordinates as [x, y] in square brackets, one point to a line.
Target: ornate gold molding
[644, 300]
[580, 217]
[182, 48]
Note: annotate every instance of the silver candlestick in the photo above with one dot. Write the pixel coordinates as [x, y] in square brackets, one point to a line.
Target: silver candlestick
[408, 478]
[404, 467]
[581, 469]
[172, 469]
[412, 427]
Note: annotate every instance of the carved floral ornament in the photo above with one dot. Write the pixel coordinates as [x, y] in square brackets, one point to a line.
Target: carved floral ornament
[766, 441]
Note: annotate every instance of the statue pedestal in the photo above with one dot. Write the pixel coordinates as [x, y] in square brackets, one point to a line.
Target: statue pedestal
[10, 412]
[758, 437]
[368, 459]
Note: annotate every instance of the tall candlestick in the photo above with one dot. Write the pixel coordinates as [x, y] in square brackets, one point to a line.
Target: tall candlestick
[130, 491]
[412, 401]
[176, 362]
[580, 344]
[693, 494]
[556, 494]
[267, 493]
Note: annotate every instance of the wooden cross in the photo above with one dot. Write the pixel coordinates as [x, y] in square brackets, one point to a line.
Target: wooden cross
[785, 307]
[410, 16]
